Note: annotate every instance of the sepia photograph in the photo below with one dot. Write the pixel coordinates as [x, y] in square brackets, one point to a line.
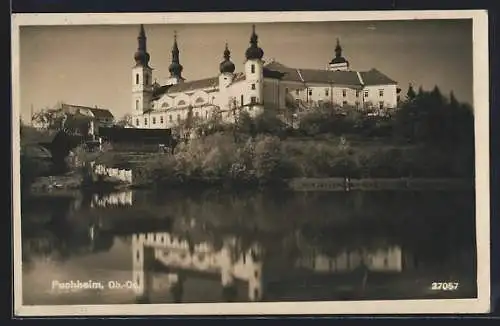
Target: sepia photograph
[251, 163]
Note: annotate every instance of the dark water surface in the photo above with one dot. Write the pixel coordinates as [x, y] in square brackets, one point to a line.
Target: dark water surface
[161, 247]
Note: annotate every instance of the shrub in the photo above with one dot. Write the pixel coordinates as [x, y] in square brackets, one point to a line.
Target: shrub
[268, 158]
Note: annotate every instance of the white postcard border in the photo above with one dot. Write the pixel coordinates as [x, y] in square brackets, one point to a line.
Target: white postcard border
[481, 105]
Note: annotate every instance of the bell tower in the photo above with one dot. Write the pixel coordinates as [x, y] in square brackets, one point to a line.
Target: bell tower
[254, 72]
[142, 73]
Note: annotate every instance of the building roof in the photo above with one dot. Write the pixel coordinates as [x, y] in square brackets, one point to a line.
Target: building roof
[375, 77]
[211, 82]
[117, 134]
[98, 113]
[186, 86]
[278, 70]
[101, 113]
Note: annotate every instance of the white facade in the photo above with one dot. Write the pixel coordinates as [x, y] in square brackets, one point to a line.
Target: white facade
[262, 85]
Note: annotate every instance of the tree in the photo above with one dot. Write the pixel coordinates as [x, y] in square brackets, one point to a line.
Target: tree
[124, 121]
[410, 95]
[48, 118]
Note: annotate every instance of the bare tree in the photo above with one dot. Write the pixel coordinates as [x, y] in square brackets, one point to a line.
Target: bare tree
[124, 121]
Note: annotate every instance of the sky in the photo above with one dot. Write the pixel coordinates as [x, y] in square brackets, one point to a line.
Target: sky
[91, 65]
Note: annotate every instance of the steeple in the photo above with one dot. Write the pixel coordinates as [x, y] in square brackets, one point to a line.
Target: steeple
[227, 66]
[141, 56]
[338, 55]
[175, 67]
[254, 52]
[338, 63]
[338, 49]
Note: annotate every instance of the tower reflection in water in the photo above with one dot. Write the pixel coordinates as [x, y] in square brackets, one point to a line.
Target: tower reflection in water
[179, 258]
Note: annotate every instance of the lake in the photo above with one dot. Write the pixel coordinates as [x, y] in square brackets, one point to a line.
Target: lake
[213, 246]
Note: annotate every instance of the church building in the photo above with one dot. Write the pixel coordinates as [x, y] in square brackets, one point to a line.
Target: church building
[262, 85]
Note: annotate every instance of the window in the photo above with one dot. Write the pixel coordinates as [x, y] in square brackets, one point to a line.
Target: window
[197, 114]
[178, 118]
[169, 118]
[357, 93]
[357, 104]
[310, 92]
[164, 105]
[181, 102]
[326, 92]
[145, 121]
[252, 68]
[344, 103]
[381, 92]
[154, 120]
[199, 100]
[241, 99]
[344, 93]
[137, 104]
[161, 119]
[381, 104]
[146, 82]
[297, 92]
[137, 79]
[253, 100]
[206, 115]
[137, 122]
[366, 93]
[286, 90]
[253, 86]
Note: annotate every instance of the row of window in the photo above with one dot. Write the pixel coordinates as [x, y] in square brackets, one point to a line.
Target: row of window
[137, 79]
[344, 92]
[253, 100]
[170, 119]
[356, 103]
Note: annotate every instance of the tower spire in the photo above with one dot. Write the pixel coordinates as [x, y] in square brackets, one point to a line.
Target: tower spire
[338, 49]
[175, 67]
[227, 53]
[141, 56]
[227, 66]
[254, 52]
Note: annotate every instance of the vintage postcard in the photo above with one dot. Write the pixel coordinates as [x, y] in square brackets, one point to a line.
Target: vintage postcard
[251, 163]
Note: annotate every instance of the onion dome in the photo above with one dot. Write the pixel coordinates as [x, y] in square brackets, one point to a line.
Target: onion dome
[227, 66]
[254, 52]
[141, 56]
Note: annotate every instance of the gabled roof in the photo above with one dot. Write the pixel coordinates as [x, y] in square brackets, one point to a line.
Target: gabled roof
[375, 77]
[101, 113]
[212, 82]
[186, 86]
[98, 113]
[278, 70]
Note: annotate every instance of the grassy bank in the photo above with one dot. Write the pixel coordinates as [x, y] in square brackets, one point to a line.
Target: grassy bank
[219, 158]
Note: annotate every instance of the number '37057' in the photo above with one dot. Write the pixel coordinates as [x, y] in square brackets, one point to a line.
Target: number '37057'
[444, 286]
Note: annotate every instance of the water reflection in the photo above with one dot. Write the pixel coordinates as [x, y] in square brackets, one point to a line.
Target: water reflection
[256, 247]
[180, 258]
[124, 198]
